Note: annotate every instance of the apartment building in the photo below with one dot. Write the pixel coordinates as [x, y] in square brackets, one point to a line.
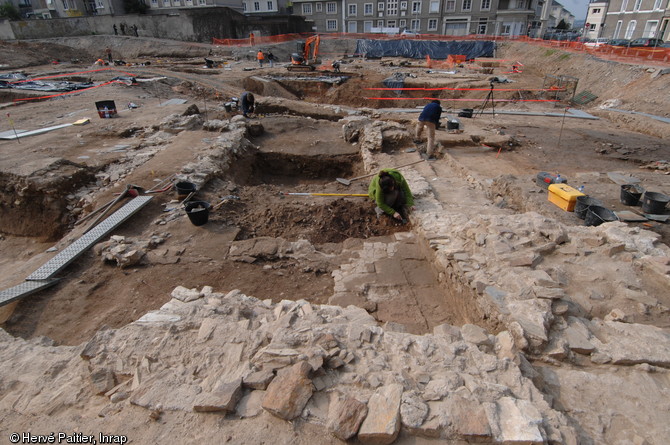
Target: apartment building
[632, 19]
[445, 17]
[595, 19]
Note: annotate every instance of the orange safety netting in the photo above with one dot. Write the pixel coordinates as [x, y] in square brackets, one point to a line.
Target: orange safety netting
[641, 54]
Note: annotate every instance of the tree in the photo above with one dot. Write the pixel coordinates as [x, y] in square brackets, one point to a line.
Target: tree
[9, 11]
[562, 25]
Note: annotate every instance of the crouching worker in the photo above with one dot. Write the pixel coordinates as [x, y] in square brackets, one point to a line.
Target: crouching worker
[248, 103]
[390, 191]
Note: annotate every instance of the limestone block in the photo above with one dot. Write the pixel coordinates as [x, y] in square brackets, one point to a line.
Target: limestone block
[468, 417]
[345, 416]
[183, 294]
[577, 336]
[630, 343]
[259, 379]
[289, 392]
[223, 398]
[475, 334]
[515, 421]
[452, 333]
[382, 424]
[103, 380]
[413, 411]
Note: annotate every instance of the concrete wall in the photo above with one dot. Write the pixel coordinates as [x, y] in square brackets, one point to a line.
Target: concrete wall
[6, 30]
[190, 25]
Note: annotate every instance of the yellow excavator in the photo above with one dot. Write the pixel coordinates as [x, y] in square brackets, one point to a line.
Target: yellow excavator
[306, 59]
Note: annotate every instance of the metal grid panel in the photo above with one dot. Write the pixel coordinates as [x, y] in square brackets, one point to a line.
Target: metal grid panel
[23, 290]
[67, 255]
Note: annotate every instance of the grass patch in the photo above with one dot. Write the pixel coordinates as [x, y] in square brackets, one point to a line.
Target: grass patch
[549, 52]
[564, 56]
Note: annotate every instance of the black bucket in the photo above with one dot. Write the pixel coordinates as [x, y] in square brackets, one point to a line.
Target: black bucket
[583, 203]
[467, 112]
[453, 125]
[654, 203]
[630, 194]
[198, 212]
[184, 188]
[597, 215]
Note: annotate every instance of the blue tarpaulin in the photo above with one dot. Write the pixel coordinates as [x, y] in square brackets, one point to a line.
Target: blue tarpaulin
[419, 49]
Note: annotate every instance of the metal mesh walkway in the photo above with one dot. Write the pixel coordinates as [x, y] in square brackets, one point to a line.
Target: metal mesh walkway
[67, 255]
[24, 289]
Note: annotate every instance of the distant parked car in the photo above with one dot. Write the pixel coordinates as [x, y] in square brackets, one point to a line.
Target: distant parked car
[646, 42]
[593, 43]
[619, 42]
[409, 33]
[665, 45]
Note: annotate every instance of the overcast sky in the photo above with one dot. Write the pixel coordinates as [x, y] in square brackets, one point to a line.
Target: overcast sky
[576, 7]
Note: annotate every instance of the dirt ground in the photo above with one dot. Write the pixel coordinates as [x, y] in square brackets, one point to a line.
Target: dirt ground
[64, 174]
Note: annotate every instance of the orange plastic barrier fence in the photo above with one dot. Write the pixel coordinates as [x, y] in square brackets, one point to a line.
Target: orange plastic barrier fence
[642, 54]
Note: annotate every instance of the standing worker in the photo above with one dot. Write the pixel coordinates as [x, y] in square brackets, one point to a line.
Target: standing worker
[108, 51]
[390, 191]
[261, 57]
[271, 59]
[429, 118]
[248, 102]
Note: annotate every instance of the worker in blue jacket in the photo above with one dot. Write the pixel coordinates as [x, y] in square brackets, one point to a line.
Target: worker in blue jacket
[429, 118]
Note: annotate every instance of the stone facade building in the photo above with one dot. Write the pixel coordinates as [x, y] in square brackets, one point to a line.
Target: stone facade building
[443, 17]
[632, 19]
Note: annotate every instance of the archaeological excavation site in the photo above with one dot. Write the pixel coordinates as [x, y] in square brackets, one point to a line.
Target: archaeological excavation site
[178, 269]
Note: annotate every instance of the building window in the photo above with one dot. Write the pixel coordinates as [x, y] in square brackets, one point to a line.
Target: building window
[467, 5]
[367, 26]
[66, 6]
[630, 29]
[390, 24]
[331, 8]
[432, 24]
[481, 27]
[244, 5]
[392, 7]
[257, 6]
[506, 29]
[657, 5]
[450, 5]
[380, 6]
[306, 9]
[592, 27]
[434, 6]
[155, 3]
[650, 28]
[352, 10]
[403, 6]
[202, 2]
[595, 11]
[380, 23]
[331, 25]
[271, 6]
[416, 8]
[637, 5]
[416, 25]
[617, 29]
[402, 23]
[624, 5]
[486, 5]
[367, 10]
[319, 7]
[166, 2]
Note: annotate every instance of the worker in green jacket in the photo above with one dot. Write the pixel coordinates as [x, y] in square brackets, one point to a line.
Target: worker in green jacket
[390, 191]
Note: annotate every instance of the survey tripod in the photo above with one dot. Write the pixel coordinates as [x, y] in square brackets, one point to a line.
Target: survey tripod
[489, 98]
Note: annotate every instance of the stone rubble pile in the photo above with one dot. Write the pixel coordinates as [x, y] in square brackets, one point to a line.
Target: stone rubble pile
[208, 352]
